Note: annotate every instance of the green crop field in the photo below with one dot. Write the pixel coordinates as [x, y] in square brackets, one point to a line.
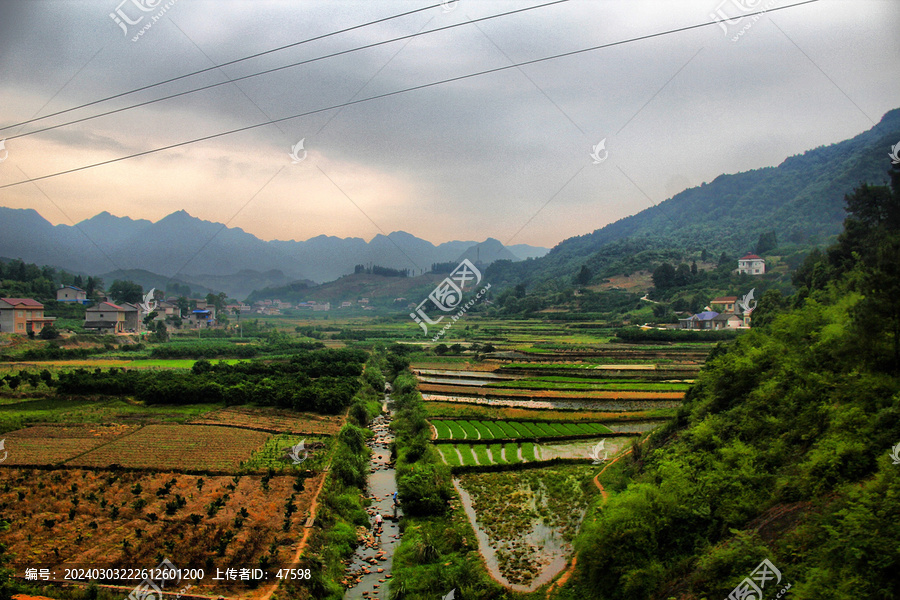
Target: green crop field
[529, 451]
[512, 453]
[18, 412]
[490, 430]
[469, 429]
[442, 429]
[456, 431]
[483, 430]
[496, 451]
[449, 454]
[465, 450]
[275, 454]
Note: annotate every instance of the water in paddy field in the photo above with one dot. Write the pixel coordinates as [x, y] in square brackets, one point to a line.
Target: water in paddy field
[369, 571]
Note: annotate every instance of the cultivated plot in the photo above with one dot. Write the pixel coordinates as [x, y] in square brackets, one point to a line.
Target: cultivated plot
[177, 447]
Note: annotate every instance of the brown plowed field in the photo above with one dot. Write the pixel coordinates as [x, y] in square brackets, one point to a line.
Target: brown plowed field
[75, 517]
[273, 419]
[49, 444]
[177, 447]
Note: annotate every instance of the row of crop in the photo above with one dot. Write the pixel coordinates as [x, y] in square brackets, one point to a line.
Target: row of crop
[489, 454]
[492, 430]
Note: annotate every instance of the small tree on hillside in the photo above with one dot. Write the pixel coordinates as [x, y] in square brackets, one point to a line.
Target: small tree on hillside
[49, 333]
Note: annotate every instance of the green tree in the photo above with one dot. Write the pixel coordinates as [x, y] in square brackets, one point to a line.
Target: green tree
[92, 286]
[682, 275]
[767, 241]
[126, 291]
[584, 276]
[160, 334]
[664, 276]
[49, 332]
[183, 304]
[771, 304]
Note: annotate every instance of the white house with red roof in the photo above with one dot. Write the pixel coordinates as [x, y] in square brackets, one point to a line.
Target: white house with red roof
[21, 315]
[105, 316]
[751, 264]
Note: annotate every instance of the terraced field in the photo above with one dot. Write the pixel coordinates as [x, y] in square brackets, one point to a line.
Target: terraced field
[463, 454]
[498, 430]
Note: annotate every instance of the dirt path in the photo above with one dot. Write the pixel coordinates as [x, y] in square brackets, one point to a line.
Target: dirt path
[265, 594]
[571, 568]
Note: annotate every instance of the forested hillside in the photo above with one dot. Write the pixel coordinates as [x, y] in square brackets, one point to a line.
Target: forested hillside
[801, 200]
[782, 450]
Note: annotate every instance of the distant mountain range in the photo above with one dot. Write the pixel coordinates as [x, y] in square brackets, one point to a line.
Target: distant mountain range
[802, 200]
[209, 255]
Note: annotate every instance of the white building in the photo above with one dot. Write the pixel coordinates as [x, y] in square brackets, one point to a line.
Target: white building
[751, 264]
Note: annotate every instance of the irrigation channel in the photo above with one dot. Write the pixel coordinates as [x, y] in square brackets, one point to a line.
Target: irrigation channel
[369, 571]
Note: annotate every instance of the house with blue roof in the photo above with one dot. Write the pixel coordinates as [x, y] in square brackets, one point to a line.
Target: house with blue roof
[703, 320]
[70, 293]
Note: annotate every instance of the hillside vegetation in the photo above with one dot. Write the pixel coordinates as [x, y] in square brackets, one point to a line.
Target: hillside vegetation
[782, 450]
[800, 200]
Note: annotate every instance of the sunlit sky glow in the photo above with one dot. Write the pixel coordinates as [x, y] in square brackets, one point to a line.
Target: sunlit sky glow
[468, 160]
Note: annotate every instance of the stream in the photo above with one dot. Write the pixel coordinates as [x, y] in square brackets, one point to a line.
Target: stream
[369, 570]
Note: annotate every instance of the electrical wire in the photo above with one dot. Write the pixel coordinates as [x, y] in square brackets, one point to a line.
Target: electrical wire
[398, 92]
[281, 68]
[225, 64]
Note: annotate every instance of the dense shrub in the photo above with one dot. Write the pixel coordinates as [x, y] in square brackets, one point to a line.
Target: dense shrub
[322, 381]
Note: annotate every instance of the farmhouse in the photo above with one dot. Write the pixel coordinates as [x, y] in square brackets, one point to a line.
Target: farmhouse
[702, 320]
[726, 321]
[70, 293]
[22, 315]
[724, 304]
[200, 318]
[133, 316]
[105, 317]
[751, 264]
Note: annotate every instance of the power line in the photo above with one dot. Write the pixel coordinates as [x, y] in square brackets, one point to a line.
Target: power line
[398, 92]
[281, 68]
[225, 64]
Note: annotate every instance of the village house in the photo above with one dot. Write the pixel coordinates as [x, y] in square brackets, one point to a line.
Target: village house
[22, 315]
[70, 293]
[322, 306]
[105, 317]
[727, 321]
[166, 308]
[200, 318]
[751, 264]
[724, 304]
[133, 317]
[703, 320]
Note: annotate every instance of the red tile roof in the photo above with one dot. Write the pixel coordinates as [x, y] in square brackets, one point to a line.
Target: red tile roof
[20, 301]
[750, 256]
[724, 299]
[107, 306]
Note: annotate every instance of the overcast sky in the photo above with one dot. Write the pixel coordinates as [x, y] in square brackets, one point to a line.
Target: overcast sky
[504, 155]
